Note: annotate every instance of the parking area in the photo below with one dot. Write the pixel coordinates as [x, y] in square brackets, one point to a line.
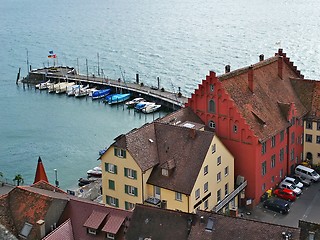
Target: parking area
[306, 207]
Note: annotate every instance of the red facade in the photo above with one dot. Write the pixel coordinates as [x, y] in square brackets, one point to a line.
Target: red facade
[257, 115]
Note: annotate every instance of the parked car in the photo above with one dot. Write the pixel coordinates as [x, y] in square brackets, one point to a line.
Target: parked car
[285, 194]
[306, 182]
[293, 181]
[308, 173]
[277, 205]
[286, 185]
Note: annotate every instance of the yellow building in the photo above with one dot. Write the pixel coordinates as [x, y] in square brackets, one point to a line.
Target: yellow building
[311, 147]
[172, 163]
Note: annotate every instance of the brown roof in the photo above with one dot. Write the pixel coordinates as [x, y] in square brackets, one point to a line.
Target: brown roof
[47, 186]
[260, 108]
[95, 219]
[113, 224]
[180, 116]
[64, 231]
[40, 172]
[158, 224]
[224, 227]
[309, 93]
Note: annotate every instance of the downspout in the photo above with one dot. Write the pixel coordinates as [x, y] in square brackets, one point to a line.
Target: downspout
[288, 150]
[142, 188]
[188, 204]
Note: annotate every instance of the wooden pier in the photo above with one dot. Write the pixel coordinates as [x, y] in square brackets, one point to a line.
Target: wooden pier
[159, 95]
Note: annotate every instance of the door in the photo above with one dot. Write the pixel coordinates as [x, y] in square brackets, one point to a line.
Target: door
[157, 192]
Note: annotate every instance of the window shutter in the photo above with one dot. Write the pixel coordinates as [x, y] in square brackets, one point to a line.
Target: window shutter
[117, 202]
[124, 153]
[115, 169]
[106, 167]
[126, 188]
[134, 174]
[108, 200]
[126, 205]
[115, 151]
[126, 172]
[136, 191]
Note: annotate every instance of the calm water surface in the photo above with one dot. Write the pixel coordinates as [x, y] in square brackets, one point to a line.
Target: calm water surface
[178, 40]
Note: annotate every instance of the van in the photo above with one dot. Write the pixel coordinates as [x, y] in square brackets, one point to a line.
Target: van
[308, 173]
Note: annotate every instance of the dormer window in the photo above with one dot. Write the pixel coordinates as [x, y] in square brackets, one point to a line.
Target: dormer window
[120, 152]
[92, 231]
[110, 236]
[165, 172]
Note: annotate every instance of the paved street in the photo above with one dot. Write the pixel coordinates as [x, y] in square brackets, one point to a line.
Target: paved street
[306, 207]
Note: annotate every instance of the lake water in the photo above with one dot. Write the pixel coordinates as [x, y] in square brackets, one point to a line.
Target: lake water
[178, 41]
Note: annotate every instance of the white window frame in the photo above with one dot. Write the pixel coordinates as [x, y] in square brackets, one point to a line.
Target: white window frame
[219, 177]
[226, 171]
[130, 173]
[110, 236]
[92, 231]
[212, 124]
[165, 172]
[205, 187]
[131, 190]
[219, 160]
[111, 168]
[197, 193]
[178, 196]
[205, 170]
[113, 201]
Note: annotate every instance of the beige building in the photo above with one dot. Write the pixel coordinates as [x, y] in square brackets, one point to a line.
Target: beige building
[171, 163]
[311, 146]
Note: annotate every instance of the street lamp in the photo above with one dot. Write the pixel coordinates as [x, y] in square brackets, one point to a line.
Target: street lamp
[56, 175]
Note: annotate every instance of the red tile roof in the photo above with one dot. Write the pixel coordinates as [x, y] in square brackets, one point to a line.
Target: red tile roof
[64, 231]
[40, 172]
[47, 186]
[95, 219]
[113, 224]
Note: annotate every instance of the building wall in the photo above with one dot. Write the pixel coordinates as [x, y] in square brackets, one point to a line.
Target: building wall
[211, 177]
[120, 179]
[311, 147]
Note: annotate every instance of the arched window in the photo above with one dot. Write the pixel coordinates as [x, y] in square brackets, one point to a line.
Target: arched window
[212, 106]
[212, 125]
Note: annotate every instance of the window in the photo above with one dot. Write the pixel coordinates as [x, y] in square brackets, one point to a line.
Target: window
[272, 179]
[197, 193]
[219, 177]
[309, 138]
[263, 147]
[213, 148]
[212, 125]
[211, 87]
[120, 152]
[110, 168]
[92, 231]
[318, 154]
[235, 128]
[226, 171]
[292, 154]
[281, 174]
[318, 139]
[165, 172]
[205, 170]
[131, 190]
[130, 173]
[219, 195]
[205, 187]
[218, 160]
[178, 196]
[281, 155]
[318, 125]
[111, 185]
[205, 205]
[281, 135]
[264, 168]
[110, 236]
[112, 201]
[292, 138]
[226, 189]
[128, 205]
[273, 161]
[308, 124]
[212, 106]
[263, 187]
[273, 141]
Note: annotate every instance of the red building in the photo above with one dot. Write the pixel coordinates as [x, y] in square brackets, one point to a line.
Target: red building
[257, 114]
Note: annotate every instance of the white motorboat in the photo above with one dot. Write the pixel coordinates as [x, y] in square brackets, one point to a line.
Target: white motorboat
[71, 90]
[95, 172]
[63, 87]
[90, 91]
[42, 85]
[81, 92]
[53, 87]
[151, 108]
[133, 102]
[142, 105]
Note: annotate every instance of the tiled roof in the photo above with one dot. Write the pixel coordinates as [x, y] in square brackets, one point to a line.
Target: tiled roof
[180, 116]
[113, 224]
[95, 219]
[40, 172]
[47, 186]
[192, 146]
[268, 90]
[158, 224]
[224, 227]
[64, 231]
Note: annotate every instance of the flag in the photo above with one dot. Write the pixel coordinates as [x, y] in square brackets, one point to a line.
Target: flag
[51, 52]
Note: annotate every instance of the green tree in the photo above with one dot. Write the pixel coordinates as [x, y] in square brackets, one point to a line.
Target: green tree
[19, 179]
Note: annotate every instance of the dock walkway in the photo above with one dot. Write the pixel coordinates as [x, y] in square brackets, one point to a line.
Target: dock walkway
[171, 100]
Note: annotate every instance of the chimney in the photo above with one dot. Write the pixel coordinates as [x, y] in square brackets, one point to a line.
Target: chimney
[227, 68]
[280, 66]
[280, 51]
[193, 133]
[250, 78]
[42, 228]
[261, 57]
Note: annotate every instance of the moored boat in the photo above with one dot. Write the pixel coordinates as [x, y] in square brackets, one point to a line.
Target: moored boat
[151, 108]
[95, 172]
[117, 98]
[71, 90]
[133, 102]
[63, 87]
[101, 93]
[142, 105]
[81, 92]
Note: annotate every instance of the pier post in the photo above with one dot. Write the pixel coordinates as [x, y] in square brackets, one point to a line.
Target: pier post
[137, 78]
[158, 82]
[87, 69]
[18, 76]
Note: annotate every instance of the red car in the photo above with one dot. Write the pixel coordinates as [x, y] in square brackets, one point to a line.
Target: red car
[286, 194]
